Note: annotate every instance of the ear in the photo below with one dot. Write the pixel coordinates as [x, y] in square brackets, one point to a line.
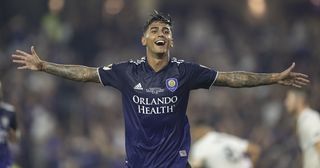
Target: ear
[143, 41]
[171, 43]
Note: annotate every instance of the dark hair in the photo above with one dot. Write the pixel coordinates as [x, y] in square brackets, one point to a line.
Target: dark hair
[157, 17]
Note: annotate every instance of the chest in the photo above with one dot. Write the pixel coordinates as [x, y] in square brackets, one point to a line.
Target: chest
[156, 84]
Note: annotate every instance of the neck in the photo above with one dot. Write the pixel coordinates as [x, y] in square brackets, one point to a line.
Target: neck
[157, 61]
[300, 109]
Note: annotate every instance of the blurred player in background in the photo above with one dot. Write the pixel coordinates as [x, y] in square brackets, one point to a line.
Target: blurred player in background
[214, 149]
[155, 91]
[308, 126]
[8, 131]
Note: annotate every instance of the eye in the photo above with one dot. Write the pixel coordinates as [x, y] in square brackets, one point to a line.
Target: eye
[166, 32]
[153, 31]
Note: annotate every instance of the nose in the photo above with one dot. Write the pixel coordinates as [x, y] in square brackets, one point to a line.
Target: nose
[160, 34]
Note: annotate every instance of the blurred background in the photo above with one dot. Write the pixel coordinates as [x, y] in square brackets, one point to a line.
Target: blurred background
[66, 124]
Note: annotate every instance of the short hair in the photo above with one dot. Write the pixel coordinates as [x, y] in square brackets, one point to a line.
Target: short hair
[158, 17]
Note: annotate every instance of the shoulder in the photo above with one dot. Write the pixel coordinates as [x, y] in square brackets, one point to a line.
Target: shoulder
[137, 61]
[176, 61]
[120, 65]
[309, 118]
[7, 107]
[309, 114]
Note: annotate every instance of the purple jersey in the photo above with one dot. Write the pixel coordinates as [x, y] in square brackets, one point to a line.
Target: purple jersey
[154, 103]
[7, 122]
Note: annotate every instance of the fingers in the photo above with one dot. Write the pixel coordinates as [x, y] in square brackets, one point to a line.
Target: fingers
[23, 67]
[303, 80]
[297, 86]
[299, 75]
[19, 61]
[22, 53]
[18, 57]
[300, 83]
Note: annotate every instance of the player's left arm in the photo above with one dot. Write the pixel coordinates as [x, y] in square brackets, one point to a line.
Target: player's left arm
[238, 79]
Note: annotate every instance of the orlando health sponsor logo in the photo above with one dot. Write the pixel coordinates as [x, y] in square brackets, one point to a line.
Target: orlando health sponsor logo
[160, 105]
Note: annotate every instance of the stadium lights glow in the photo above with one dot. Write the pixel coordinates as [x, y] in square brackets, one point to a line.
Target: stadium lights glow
[56, 5]
[257, 7]
[113, 7]
[315, 2]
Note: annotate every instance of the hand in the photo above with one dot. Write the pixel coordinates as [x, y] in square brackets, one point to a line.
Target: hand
[28, 61]
[289, 78]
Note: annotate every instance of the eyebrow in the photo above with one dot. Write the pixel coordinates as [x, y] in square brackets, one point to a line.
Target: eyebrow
[158, 28]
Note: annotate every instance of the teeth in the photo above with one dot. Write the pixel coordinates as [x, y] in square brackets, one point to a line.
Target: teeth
[160, 42]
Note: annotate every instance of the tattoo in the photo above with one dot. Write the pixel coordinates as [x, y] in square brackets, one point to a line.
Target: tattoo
[72, 72]
[239, 79]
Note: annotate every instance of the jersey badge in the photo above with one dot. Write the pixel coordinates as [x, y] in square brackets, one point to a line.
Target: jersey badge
[172, 84]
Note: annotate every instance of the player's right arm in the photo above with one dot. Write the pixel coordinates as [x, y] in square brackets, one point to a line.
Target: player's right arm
[72, 72]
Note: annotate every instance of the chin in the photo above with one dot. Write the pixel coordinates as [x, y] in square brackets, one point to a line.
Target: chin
[161, 52]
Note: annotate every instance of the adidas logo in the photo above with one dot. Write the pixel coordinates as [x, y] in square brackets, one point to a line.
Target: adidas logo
[138, 87]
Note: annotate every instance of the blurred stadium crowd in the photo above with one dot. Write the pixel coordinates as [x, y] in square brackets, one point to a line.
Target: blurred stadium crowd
[75, 125]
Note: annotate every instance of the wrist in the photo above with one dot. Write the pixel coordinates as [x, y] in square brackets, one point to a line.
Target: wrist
[42, 65]
[276, 77]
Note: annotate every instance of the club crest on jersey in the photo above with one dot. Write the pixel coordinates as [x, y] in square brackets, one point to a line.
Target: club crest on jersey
[172, 84]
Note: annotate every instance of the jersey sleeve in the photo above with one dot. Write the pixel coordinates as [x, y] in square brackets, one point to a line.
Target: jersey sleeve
[198, 152]
[200, 76]
[112, 75]
[238, 144]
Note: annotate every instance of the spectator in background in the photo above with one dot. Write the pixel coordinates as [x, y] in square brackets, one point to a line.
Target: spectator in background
[8, 131]
[308, 126]
[214, 149]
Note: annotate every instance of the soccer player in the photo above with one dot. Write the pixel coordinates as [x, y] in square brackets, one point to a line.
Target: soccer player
[214, 149]
[308, 126]
[8, 131]
[155, 91]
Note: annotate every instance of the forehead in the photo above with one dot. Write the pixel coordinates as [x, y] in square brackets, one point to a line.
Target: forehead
[159, 24]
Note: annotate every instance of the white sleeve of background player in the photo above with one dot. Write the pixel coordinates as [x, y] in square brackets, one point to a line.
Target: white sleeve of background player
[238, 144]
[313, 128]
[198, 152]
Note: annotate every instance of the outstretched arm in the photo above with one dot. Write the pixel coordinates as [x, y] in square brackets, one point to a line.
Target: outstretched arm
[72, 72]
[238, 79]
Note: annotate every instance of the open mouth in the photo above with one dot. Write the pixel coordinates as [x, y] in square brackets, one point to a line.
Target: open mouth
[160, 42]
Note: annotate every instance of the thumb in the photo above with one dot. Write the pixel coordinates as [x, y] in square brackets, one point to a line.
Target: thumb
[33, 51]
[292, 66]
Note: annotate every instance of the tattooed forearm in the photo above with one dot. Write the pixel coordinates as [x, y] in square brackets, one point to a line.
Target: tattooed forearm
[72, 72]
[239, 79]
